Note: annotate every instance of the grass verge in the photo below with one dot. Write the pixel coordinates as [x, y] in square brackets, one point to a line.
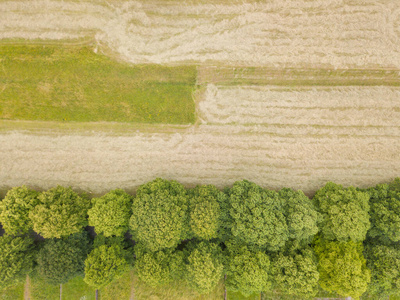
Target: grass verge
[129, 287]
[118, 289]
[239, 296]
[297, 77]
[174, 291]
[40, 290]
[15, 292]
[76, 288]
[72, 83]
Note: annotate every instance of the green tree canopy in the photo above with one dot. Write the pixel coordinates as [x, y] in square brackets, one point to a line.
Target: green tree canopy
[257, 216]
[295, 272]
[204, 266]
[247, 270]
[342, 267]
[16, 259]
[160, 217]
[385, 213]
[15, 208]
[301, 215]
[110, 213]
[60, 260]
[160, 267]
[395, 185]
[344, 211]
[205, 211]
[384, 263]
[109, 260]
[60, 212]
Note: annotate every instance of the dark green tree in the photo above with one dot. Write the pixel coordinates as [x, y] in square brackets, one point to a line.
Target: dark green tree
[301, 215]
[385, 213]
[60, 212]
[110, 213]
[395, 185]
[160, 217]
[15, 208]
[60, 260]
[384, 263]
[204, 267]
[342, 267]
[205, 212]
[247, 270]
[16, 259]
[257, 216]
[109, 260]
[295, 272]
[160, 267]
[344, 211]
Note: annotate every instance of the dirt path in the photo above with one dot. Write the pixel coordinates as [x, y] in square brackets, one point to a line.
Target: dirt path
[291, 33]
[27, 290]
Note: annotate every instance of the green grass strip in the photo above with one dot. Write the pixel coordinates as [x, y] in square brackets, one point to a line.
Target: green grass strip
[72, 83]
[76, 288]
[40, 290]
[15, 292]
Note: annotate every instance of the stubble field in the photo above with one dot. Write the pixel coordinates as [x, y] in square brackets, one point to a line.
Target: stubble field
[279, 33]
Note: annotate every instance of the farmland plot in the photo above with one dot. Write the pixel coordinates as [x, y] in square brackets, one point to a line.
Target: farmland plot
[295, 125]
[290, 33]
[312, 106]
[302, 157]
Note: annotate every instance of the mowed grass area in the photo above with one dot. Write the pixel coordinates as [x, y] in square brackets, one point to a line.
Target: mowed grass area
[72, 83]
[41, 290]
[76, 288]
[125, 288]
[13, 293]
[129, 287]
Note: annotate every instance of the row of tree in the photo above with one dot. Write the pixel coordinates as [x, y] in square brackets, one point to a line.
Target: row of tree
[345, 240]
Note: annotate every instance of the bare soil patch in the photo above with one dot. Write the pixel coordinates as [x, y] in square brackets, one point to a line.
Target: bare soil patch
[27, 288]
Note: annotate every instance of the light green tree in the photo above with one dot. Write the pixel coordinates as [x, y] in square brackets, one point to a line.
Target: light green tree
[160, 267]
[257, 216]
[344, 211]
[295, 272]
[15, 208]
[16, 259]
[110, 213]
[160, 214]
[247, 270]
[385, 213]
[301, 215]
[60, 260]
[205, 211]
[204, 268]
[384, 263]
[342, 267]
[108, 261]
[60, 212]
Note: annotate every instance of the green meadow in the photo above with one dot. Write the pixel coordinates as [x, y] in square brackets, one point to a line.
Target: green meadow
[72, 83]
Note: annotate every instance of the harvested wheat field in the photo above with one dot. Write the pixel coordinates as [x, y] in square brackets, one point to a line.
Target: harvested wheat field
[280, 33]
[290, 94]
